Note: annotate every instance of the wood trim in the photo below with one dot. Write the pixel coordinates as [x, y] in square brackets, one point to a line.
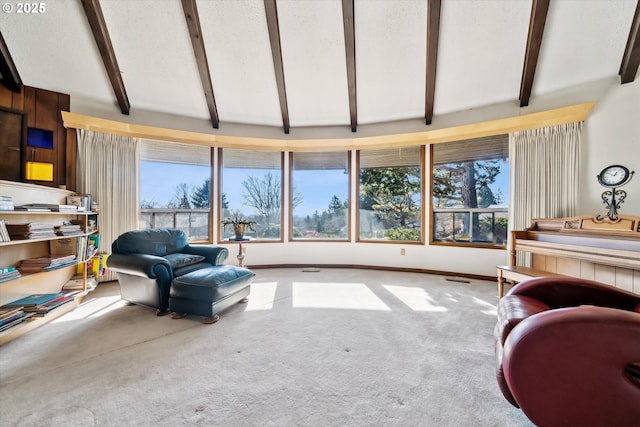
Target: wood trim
[271, 12]
[433, 31]
[8, 70]
[94, 15]
[192, 17]
[348, 19]
[570, 114]
[381, 268]
[537, 22]
[631, 57]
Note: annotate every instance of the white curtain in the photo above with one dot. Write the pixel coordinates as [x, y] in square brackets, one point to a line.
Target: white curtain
[544, 169]
[108, 169]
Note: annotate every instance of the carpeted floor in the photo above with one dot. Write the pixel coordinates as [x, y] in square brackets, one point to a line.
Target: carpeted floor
[339, 347]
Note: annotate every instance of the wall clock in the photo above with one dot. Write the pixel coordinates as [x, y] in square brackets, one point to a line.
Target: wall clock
[612, 177]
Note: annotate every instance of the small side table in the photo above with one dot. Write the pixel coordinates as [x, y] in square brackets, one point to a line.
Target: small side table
[240, 254]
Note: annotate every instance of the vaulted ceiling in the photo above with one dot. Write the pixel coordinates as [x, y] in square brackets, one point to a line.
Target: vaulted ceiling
[300, 63]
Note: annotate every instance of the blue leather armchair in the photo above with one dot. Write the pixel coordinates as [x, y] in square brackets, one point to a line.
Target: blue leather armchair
[147, 261]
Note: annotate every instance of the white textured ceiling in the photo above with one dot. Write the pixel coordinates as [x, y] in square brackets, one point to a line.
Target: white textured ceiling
[480, 55]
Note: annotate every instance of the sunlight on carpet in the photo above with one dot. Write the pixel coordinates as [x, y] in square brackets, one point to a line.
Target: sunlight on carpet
[354, 296]
[417, 299]
[490, 309]
[262, 296]
[93, 307]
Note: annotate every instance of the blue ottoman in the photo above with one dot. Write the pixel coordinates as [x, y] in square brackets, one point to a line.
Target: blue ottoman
[209, 291]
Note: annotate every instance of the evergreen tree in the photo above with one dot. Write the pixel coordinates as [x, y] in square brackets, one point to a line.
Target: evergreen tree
[391, 193]
[201, 195]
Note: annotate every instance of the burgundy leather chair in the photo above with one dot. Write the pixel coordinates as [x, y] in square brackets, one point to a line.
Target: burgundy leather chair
[568, 352]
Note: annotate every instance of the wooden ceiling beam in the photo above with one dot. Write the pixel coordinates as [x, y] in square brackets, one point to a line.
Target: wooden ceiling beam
[94, 15]
[537, 20]
[10, 76]
[631, 57]
[271, 11]
[197, 41]
[348, 20]
[433, 34]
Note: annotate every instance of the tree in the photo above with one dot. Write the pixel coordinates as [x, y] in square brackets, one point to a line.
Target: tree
[181, 198]
[148, 204]
[334, 219]
[486, 197]
[458, 184]
[200, 196]
[264, 195]
[466, 185]
[391, 193]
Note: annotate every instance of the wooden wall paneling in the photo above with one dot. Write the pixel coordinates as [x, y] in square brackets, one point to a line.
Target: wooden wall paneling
[538, 261]
[60, 170]
[11, 135]
[605, 274]
[17, 100]
[6, 97]
[46, 111]
[551, 263]
[587, 270]
[624, 278]
[29, 105]
[568, 266]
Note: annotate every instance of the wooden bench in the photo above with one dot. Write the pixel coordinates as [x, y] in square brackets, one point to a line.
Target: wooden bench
[518, 273]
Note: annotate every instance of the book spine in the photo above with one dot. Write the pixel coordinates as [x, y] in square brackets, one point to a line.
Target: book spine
[7, 270]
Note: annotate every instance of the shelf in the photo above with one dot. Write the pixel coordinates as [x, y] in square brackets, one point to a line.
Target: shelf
[46, 281]
[34, 322]
[44, 239]
[46, 213]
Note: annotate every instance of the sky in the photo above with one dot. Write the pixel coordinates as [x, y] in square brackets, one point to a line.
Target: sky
[158, 183]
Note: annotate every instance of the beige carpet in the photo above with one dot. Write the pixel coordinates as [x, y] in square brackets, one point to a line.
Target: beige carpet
[339, 347]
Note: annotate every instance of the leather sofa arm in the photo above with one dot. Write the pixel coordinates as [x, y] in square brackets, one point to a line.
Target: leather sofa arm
[568, 292]
[215, 255]
[570, 366]
[144, 265]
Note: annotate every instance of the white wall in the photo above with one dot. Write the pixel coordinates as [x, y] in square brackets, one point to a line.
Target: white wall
[611, 135]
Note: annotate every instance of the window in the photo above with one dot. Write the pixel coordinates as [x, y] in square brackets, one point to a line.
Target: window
[252, 189]
[320, 195]
[470, 191]
[175, 187]
[390, 187]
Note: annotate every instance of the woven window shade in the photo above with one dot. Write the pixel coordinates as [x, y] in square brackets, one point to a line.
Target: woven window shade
[320, 161]
[174, 152]
[485, 148]
[390, 157]
[249, 159]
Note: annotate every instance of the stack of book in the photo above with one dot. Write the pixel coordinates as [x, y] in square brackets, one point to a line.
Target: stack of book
[12, 316]
[8, 273]
[46, 263]
[68, 230]
[51, 207]
[30, 230]
[41, 304]
[32, 208]
[4, 233]
[6, 203]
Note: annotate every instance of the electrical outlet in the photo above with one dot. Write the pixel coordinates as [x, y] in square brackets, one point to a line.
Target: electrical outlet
[402, 251]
